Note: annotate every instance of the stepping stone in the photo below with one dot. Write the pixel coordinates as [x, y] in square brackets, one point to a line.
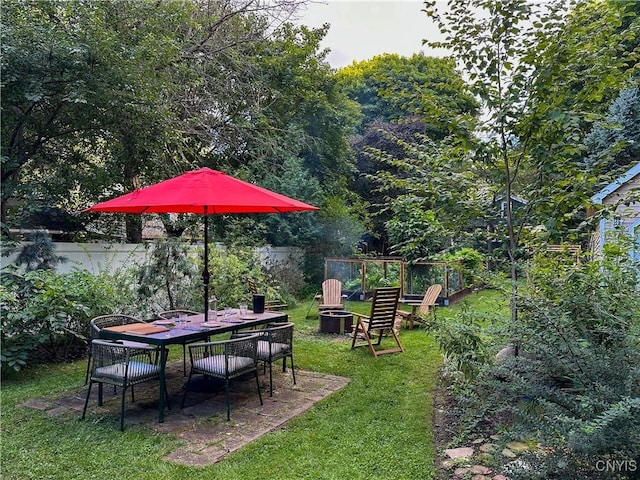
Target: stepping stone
[461, 452]
[461, 472]
[447, 464]
[484, 458]
[508, 453]
[488, 447]
[38, 404]
[480, 470]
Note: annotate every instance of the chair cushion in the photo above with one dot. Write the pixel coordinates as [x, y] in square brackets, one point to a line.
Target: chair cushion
[276, 349]
[136, 370]
[140, 345]
[215, 364]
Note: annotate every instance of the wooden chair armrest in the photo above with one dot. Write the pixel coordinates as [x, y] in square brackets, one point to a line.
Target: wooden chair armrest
[411, 302]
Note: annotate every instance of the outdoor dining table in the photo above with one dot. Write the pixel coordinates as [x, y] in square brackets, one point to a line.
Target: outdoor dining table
[186, 330]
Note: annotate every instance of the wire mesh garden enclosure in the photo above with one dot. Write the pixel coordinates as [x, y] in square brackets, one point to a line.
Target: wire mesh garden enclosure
[360, 276]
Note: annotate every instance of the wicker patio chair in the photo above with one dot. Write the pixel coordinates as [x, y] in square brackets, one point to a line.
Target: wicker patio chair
[275, 343]
[121, 366]
[112, 320]
[225, 360]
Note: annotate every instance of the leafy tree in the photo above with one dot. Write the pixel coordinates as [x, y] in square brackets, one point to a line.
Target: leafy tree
[107, 96]
[380, 136]
[299, 144]
[168, 274]
[303, 110]
[580, 71]
[521, 59]
[73, 85]
[400, 98]
[390, 87]
[434, 196]
[614, 143]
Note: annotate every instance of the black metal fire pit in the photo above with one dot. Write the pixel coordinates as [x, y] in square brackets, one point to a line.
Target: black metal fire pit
[335, 321]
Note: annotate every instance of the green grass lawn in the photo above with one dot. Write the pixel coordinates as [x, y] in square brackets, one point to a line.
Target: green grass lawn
[379, 426]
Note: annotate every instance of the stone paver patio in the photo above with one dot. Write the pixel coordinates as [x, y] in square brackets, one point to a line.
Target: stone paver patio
[208, 436]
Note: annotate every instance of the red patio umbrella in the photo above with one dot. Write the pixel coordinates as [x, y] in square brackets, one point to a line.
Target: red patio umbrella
[207, 192]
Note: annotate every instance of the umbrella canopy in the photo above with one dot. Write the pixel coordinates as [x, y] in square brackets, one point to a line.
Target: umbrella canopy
[206, 192]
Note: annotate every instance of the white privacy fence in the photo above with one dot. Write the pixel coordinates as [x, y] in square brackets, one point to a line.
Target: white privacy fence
[96, 257]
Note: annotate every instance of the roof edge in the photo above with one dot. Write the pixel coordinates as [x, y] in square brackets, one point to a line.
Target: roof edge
[612, 187]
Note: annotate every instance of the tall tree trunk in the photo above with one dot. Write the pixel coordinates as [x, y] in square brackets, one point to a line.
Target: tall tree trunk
[134, 228]
[512, 251]
[130, 162]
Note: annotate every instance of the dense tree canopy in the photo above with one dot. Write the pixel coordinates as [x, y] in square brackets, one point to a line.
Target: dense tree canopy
[614, 143]
[403, 97]
[390, 87]
[102, 97]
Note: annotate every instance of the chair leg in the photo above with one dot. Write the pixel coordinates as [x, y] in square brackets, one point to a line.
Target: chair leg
[122, 408]
[228, 395]
[270, 378]
[293, 372]
[258, 385]
[99, 394]
[354, 331]
[86, 377]
[184, 360]
[86, 401]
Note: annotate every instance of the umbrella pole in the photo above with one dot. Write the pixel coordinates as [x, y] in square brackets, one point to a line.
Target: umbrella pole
[205, 271]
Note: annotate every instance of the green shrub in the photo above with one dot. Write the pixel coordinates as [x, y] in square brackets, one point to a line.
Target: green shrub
[473, 264]
[230, 271]
[575, 386]
[45, 314]
[462, 340]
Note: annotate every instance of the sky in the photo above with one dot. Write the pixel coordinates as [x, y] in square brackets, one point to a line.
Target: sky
[361, 29]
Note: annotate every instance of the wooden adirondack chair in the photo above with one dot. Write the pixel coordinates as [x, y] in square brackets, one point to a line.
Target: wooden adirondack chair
[421, 310]
[331, 295]
[379, 322]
